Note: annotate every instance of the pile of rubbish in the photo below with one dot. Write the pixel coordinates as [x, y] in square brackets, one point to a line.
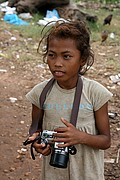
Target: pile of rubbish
[11, 16]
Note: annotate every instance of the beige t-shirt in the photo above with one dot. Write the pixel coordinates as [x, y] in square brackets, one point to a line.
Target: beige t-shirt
[87, 163]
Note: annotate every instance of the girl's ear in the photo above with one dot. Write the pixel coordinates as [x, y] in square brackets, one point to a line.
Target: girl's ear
[83, 62]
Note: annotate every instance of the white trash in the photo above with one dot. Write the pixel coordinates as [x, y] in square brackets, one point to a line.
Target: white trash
[12, 99]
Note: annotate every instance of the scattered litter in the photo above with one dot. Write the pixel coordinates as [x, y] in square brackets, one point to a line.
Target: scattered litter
[51, 16]
[12, 67]
[13, 38]
[111, 87]
[22, 122]
[40, 66]
[23, 149]
[109, 160]
[12, 99]
[101, 54]
[11, 15]
[112, 115]
[10, 10]
[14, 19]
[3, 6]
[2, 55]
[25, 16]
[29, 39]
[53, 13]
[112, 35]
[45, 21]
[7, 10]
[3, 70]
[118, 156]
[115, 78]
[106, 73]
[17, 56]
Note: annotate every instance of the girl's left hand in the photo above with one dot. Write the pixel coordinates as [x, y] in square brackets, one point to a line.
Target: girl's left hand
[70, 135]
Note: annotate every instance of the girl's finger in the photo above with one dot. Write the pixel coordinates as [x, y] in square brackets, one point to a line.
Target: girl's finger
[66, 122]
[33, 136]
[40, 146]
[46, 149]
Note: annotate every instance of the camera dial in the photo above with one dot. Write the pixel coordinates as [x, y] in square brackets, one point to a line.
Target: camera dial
[72, 150]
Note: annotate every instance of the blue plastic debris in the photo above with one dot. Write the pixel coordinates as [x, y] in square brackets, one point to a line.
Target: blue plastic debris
[51, 14]
[14, 19]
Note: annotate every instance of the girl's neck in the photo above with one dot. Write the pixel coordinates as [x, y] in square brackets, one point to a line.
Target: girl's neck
[68, 85]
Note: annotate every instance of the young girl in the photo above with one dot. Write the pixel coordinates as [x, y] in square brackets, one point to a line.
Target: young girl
[68, 54]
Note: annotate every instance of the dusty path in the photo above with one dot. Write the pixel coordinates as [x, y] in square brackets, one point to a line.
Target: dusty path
[19, 78]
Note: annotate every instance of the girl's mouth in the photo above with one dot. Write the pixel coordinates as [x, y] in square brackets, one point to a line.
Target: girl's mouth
[58, 73]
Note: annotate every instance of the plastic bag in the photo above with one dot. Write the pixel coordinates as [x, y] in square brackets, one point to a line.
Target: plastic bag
[14, 19]
[51, 14]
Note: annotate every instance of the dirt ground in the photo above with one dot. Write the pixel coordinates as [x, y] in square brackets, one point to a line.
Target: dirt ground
[18, 74]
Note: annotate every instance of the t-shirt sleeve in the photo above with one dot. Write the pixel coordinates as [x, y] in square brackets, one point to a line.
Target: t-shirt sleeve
[100, 95]
[34, 95]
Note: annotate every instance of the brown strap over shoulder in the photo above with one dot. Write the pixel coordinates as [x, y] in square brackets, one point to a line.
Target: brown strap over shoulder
[76, 103]
[37, 123]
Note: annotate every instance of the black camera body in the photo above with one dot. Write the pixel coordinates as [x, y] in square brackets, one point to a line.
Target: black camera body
[60, 156]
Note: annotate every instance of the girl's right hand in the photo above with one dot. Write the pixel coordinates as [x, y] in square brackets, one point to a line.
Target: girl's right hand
[40, 148]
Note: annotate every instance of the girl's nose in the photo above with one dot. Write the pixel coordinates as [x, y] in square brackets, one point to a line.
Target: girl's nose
[58, 62]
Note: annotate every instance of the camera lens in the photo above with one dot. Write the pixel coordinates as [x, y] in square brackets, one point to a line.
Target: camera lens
[59, 159]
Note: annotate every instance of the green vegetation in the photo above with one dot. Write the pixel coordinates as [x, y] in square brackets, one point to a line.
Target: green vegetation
[101, 1]
[97, 28]
[1, 1]
[112, 63]
[33, 30]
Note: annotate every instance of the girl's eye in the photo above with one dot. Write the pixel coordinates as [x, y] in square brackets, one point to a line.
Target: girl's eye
[67, 57]
[51, 55]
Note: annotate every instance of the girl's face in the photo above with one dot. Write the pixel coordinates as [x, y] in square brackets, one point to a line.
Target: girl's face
[64, 61]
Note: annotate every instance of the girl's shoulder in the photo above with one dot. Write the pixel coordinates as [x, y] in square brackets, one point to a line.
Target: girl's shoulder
[34, 94]
[96, 93]
[41, 85]
[89, 81]
[92, 84]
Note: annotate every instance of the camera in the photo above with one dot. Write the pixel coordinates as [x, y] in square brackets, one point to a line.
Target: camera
[60, 156]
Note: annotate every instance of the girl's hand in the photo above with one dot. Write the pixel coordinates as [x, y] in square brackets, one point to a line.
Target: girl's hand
[40, 148]
[70, 135]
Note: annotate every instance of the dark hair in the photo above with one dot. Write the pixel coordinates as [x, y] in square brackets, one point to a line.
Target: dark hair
[75, 30]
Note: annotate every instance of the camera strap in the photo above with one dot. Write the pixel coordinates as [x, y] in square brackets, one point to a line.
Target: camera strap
[76, 102]
[36, 125]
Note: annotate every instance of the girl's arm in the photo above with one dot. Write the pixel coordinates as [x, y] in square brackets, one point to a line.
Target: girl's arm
[40, 148]
[37, 115]
[71, 136]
